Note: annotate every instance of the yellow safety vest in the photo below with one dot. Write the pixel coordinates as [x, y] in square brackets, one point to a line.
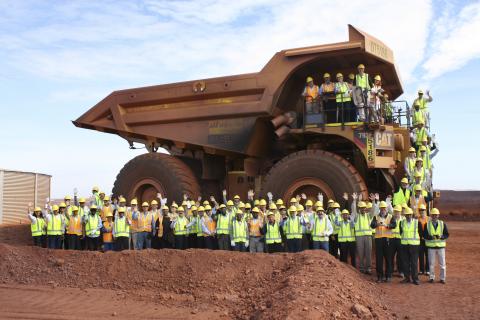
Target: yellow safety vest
[239, 230]
[436, 243]
[37, 227]
[342, 92]
[401, 197]
[362, 225]
[346, 232]
[54, 226]
[410, 234]
[122, 229]
[273, 234]
[293, 228]
[180, 226]
[223, 224]
[362, 81]
[320, 227]
[396, 230]
[91, 227]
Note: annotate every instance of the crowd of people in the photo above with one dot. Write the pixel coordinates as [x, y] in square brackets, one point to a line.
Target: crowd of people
[398, 231]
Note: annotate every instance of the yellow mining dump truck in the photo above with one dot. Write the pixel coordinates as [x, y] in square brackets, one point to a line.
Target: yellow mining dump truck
[250, 131]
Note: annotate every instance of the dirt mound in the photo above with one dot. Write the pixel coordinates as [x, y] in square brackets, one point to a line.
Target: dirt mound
[310, 285]
[16, 234]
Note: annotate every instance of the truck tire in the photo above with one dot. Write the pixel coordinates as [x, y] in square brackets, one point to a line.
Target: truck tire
[146, 175]
[313, 171]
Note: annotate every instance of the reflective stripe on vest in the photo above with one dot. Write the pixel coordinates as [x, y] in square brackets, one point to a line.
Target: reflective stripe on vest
[293, 229]
[328, 88]
[319, 228]
[346, 232]
[223, 224]
[383, 231]
[342, 92]
[401, 197]
[54, 226]
[107, 236]
[362, 225]
[37, 227]
[311, 93]
[396, 230]
[273, 234]
[239, 231]
[91, 227]
[180, 226]
[331, 216]
[362, 82]
[122, 229]
[410, 234]
[75, 225]
[255, 228]
[435, 243]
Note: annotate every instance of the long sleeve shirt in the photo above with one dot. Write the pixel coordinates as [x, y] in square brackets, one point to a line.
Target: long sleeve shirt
[48, 216]
[203, 225]
[329, 229]
[427, 235]
[99, 225]
[419, 227]
[136, 214]
[392, 225]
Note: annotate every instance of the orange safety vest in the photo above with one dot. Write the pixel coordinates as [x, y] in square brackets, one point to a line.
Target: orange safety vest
[254, 228]
[107, 236]
[75, 225]
[103, 214]
[145, 222]
[383, 231]
[311, 93]
[160, 225]
[328, 88]
[134, 225]
[210, 224]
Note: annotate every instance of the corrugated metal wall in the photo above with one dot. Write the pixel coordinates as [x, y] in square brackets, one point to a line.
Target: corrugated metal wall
[17, 190]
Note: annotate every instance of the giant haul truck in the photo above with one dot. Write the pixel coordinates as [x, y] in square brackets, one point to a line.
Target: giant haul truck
[250, 131]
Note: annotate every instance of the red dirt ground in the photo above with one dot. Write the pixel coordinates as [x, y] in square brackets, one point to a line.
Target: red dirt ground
[200, 284]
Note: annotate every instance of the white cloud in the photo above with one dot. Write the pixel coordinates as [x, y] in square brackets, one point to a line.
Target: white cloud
[454, 43]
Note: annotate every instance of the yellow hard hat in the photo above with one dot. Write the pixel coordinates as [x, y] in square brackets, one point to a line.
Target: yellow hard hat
[184, 203]
[309, 79]
[418, 187]
[134, 202]
[81, 200]
[423, 148]
[205, 202]
[174, 204]
[62, 205]
[404, 180]
[239, 212]
[318, 204]
[74, 208]
[361, 66]
[38, 209]
[262, 202]
[273, 206]
[369, 205]
[339, 75]
[292, 209]
[192, 203]
[93, 206]
[222, 206]
[336, 205]
[256, 202]
[345, 211]
[248, 205]
[122, 199]
[408, 211]
[422, 207]
[121, 209]
[319, 208]
[270, 213]
[377, 77]
[194, 208]
[293, 200]
[109, 214]
[279, 202]
[398, 208]
[153, 202]
[419, 160]
[145, 204]
[255, 209]
[208, 207]
[383, 204]
[300, 207]
[412, 149]
[164, 207]
[106, 198]
[229, 203]
[241, 205]
[417, 175]
[181, 209]
[326, 75]
[101, 192]
[309, 203]
[95, 188]
[201, 209]
[362, 204]
[236, 197]
[330, 201]
[55, 207]
[282, 207]
[67, 197]
[351, 76]
[420, 91]
[435, 211]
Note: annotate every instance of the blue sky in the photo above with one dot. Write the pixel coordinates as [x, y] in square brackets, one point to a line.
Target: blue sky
[59, 58]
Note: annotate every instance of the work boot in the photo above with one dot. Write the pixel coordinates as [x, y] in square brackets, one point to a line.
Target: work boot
[389, 279]
[402, 275]
[368, 272]
[416, 282]
[379, 280]
[405, 280]
[443, 282]
[430, 281]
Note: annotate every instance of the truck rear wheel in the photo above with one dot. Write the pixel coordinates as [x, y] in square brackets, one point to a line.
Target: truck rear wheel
[148, 174]
[311, 172]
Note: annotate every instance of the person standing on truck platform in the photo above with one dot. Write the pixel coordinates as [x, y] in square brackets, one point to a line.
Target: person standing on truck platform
[311, 94]
[96, 197]
[357, 98]
[363, 81]
[402, 196]
[344, 100]
[376, 97]
[436, 235]
[37, 226]
[327, 93]
[383, 224]
[409, 164]
[417, 115]
[387, 109]
[423, 101]
[410, 230]
[346, 237]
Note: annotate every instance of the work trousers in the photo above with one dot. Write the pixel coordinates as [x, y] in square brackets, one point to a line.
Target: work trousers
[274, 247]
[93, 243]
[312, 107]
[330, 107]
[54, 242]
[121, 243]
[396, 249]
[38, 240]
[180, 242]
[348, 249]
[423, 257]
[132, 244]
[200, 242]
[209, 242]
[192, 241]
[239, 246]
[143, 240]
[108, 246]
[333, 245]
[364, 252]
[73, 242]
[306, 241]
[256, 244]
[383, 254]
[410, 261]
[294, 245]
[349, 113]
[432, 256]
[320, 245]
[157, 242]
[223, 241]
